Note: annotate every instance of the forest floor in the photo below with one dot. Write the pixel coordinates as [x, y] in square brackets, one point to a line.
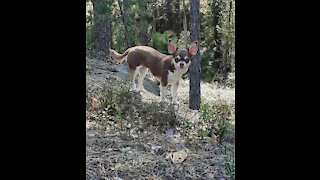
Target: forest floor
[133, 136]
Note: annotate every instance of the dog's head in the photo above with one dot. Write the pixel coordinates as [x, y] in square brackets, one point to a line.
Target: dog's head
[182, 57]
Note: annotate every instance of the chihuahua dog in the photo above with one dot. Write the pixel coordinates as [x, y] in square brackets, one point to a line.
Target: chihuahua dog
[167, 69]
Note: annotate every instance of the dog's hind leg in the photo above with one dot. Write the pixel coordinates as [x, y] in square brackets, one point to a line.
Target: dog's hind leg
[142, 73]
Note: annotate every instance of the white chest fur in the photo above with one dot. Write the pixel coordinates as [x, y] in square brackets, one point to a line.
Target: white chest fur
[175, 76]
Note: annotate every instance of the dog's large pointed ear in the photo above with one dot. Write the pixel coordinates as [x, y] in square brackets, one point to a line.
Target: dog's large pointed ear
[172, 47]
[193, 48]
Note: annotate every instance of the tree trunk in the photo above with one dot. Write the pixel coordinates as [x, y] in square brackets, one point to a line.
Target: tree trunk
[217, 37]
[232, 39]
[230, 11]
[194, 93]
[185, 24]
[144, 25]
[226, 49]
[101, 35]
[155, 15]
[176, 26]
[110, 33]
[227, 65]
[130, 22]
[102, 27]
[217, 34]
[124, 24]
[169, 14]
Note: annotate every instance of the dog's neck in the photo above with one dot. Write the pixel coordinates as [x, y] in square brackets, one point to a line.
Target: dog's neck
[168, 62]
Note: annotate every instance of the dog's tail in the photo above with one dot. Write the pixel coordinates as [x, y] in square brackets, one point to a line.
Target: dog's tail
[119, 57]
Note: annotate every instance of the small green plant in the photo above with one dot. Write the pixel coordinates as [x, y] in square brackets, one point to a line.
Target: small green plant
[229, 163]
[119, 113]
[203, 132]
[216, 115]
[114, 97]
[206, 111]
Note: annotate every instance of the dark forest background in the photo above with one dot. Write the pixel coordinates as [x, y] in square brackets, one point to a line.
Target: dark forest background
[120, 24]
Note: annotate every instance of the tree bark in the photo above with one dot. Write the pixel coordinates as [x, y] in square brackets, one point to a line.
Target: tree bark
[102, 27]
[155, 15]
[218, 38]
[194, 93]
[185, 24]
[124, 24]
[176, 26]
[217, 34]
[144, 25]
[130, 22]
[227, 65]
[169, 14]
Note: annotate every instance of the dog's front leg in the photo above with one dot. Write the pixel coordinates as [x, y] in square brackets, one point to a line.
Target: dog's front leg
[174, 89]
[162, 88]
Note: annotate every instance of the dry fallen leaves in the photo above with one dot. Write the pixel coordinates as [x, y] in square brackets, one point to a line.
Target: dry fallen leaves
[177, 157]
[94, 102]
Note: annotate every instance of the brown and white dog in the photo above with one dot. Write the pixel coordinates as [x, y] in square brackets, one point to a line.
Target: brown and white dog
[167, 69]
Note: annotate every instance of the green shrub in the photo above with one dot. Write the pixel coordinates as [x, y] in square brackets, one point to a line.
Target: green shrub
[208, 67]
[160, 41]
[114, 98]
[229, 161]
[216, 117]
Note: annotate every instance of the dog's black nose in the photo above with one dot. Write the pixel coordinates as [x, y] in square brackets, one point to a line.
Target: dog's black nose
[181, 64]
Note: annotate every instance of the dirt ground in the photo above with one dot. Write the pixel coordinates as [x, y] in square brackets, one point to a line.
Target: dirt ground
[153, 144]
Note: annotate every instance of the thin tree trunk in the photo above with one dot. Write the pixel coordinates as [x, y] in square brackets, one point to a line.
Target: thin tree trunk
[185, 24]
[124, 24]
[230, 11]
[227, 59]
[155, 15]
[217, 38]
[130, 22]
[194, 93]
[176, 26]
[154, 28]
[227, 48]
[144, 25]
[232, 40]
[217, 34]
[110, 33]
[169, 15]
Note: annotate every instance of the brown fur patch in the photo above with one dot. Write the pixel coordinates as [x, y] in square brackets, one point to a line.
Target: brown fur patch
[158, 63]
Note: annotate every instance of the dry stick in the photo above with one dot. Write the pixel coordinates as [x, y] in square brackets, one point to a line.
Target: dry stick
[185, 147]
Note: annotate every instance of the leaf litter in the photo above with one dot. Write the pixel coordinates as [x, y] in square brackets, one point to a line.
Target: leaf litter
[145, 139]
